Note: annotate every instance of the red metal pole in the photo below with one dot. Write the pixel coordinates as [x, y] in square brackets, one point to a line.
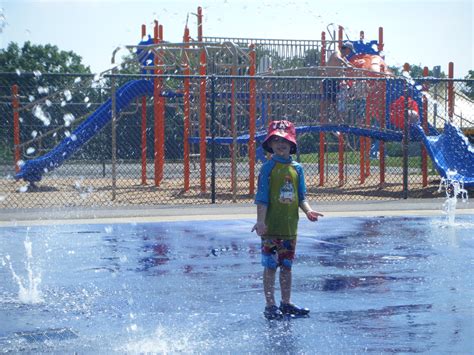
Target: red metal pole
[362, 139]
[382, 118]
[202, 119]
[143, 127]
[16, 127]
[381, 44]
[187, 114]
[199, 16]
[424, 110]
[156, 110]
[253, 120]
[450, 92]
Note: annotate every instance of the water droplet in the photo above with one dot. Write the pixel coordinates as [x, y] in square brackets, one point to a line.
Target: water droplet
[67, 95]
[68, 119]
[43, 90]
[30, 150]
[36, 73]
[77, 80]
[42, 115]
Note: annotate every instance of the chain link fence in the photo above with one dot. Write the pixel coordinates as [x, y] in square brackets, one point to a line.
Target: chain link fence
[176, 139]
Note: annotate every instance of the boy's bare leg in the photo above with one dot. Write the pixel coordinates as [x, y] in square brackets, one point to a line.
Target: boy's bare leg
[269, 285]
[285, 284]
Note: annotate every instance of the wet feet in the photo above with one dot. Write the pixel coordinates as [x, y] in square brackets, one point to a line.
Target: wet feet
[273, 313]
[294, 310]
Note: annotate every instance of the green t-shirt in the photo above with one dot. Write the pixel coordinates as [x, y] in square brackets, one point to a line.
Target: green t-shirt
[282, 214]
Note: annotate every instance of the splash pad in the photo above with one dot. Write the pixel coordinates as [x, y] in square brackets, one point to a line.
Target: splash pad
[196, 287]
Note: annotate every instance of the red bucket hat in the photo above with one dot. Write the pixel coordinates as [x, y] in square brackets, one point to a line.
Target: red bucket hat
[284, 129]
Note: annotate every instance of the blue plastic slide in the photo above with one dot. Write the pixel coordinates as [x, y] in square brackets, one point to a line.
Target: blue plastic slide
[33, 170]
[452, 151]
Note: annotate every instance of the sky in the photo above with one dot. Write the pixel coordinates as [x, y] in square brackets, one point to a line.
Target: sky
[420, 32]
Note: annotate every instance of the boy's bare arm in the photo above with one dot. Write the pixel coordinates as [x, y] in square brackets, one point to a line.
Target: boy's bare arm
[260, 227]
[310, 214]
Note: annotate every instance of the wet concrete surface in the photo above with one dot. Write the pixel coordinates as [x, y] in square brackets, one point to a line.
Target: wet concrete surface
[374, 284]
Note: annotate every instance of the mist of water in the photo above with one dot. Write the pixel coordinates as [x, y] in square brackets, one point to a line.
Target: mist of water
[28, 288]
[453, 189]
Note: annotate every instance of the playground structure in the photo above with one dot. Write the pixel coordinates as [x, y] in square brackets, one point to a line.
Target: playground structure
[227, 89]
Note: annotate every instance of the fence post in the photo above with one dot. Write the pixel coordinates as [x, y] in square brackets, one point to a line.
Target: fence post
[114, 135]
[157, 86]
[16, 126]
[424, 111]
[202, 118]
[405, 143]
[382, 119]
[252, 118]
[187, 112]
[213, 140]
[322, 112]
[143, 128]
[161, 111]
[340, 160]
[451, 92]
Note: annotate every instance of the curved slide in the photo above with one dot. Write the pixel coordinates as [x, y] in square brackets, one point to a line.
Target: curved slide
[33, 170]
[451, 151]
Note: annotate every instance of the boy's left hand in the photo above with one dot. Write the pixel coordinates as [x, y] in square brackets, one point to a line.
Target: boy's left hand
[313, 215]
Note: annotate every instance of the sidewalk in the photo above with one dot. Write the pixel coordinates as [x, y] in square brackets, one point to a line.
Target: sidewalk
[409, 207]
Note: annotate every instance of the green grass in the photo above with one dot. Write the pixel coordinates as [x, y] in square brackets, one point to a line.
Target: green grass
[354, 158]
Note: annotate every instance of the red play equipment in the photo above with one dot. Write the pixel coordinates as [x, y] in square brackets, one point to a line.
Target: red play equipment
[371, 65]
[232, 59]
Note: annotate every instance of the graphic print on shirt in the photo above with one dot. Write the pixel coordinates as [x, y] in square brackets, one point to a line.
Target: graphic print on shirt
[287, 192]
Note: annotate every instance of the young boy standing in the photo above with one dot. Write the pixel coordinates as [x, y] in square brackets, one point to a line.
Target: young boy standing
[281, 190]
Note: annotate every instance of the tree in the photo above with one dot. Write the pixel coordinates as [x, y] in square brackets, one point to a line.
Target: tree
[469, 91]
[35, 67]
[42, 71]
[45, 59]
[416, 71]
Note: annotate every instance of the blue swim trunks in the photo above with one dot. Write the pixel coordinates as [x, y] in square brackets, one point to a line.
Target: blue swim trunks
[278, 252]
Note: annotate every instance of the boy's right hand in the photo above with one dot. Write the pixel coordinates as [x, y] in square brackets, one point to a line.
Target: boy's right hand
[260, 228]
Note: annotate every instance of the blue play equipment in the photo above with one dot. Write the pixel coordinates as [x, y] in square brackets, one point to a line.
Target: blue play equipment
[451, 151]
[34, 169]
